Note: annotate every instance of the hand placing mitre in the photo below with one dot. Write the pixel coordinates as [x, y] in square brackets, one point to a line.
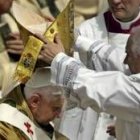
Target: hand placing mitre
[14, 44]
[50, 49]
[48, 18]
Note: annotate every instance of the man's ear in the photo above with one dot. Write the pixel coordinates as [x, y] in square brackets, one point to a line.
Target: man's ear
[34, 101]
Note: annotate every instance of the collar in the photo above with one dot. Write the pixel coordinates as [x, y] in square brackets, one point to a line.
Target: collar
[126, 25]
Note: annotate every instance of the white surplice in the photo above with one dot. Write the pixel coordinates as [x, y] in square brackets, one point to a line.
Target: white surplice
[110, 92]
[115, 33]
[104, 59]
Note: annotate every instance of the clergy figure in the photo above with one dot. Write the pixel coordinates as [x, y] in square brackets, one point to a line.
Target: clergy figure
[26, 112]
[113, 27]
[111, 92]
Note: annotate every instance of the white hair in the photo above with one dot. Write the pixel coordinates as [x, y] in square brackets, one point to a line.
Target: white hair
[48, 92]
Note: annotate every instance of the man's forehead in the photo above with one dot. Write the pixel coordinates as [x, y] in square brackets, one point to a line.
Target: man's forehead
[57, 102]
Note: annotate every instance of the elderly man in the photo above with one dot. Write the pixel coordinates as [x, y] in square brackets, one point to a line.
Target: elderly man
[10, 43]
[111, 92]
[25, 114]
[113, 27]
[84, 9]
[3, 9]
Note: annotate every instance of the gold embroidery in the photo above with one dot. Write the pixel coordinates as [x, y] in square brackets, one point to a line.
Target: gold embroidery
[63, 25]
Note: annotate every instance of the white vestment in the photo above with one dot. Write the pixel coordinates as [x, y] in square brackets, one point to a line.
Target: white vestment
[109, 30]
[110, 92]
[19, 123]
[113, 32]
[98, 28]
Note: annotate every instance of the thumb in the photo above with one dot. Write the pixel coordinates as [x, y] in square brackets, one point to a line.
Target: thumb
[57, 39]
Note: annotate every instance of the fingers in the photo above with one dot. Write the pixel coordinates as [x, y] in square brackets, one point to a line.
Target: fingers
[45, 57]
[42, 38]
[40, 57]
[48, 18]
[15, 47]
[14, 36]
[14, 42]
[57, 39]
[14, 51]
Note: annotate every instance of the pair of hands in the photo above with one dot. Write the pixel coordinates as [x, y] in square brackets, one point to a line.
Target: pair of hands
[50, 49]
[14, 45]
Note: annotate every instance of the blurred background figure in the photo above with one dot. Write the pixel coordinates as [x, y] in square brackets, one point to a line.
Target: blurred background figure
[11, 41]
[84, 9]
[4, 7]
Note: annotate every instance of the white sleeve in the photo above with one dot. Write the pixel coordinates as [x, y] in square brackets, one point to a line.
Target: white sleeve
[94, 28]
[103, 59]
[101, 56]
[111, 92]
